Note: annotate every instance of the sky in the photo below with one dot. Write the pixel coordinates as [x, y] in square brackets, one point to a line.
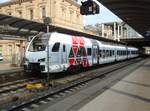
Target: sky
[104, 16]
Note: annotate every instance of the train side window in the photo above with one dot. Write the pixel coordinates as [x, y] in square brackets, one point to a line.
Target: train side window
[107, 53]
[103, 53]
[64, 48]
[56, 47]
[89, 51]
[110, 53]
[113, 53]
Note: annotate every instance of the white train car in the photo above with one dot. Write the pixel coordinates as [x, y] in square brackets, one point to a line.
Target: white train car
[70, 52]
[65, 51]
[121, 53]
[132, 52]
[107, 53]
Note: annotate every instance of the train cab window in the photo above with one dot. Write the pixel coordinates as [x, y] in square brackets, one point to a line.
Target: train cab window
[64, 48]
[89, 51]
[38, 43]
[56, 47]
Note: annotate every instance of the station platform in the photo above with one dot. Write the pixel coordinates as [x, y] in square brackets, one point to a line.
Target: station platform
[7, 67]
[132, 93]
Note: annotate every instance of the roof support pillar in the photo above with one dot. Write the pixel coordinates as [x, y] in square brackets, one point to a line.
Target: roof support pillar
[114, 30]
[102, 30]
[121, 31]
[118, 34]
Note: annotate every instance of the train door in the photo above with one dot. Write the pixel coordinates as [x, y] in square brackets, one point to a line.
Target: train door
[55, 54]
[63, 54]
[95, 59]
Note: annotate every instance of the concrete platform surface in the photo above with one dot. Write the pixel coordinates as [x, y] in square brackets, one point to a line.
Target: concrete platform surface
[130, 94]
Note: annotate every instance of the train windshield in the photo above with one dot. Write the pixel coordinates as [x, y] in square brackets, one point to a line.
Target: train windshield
[38, 44]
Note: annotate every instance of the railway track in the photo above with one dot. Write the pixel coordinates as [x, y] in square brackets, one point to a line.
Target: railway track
[12, 87]
[63, 88]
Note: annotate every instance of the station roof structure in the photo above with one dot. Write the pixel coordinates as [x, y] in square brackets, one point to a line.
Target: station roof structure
[21, 27]
[137, 42]
[135, 13]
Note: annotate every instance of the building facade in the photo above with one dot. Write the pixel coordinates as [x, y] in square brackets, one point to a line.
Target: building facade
[12, 51]
[63, 13]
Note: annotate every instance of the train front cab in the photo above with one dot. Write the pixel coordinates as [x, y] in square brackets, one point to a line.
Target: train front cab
[37, 54]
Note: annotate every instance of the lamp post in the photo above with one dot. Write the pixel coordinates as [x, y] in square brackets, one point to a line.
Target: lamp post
[47, 21]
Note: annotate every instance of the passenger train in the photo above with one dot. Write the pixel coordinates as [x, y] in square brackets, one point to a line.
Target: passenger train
[56, 52]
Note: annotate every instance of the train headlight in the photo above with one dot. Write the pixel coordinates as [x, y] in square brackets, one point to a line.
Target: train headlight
[41, 60]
